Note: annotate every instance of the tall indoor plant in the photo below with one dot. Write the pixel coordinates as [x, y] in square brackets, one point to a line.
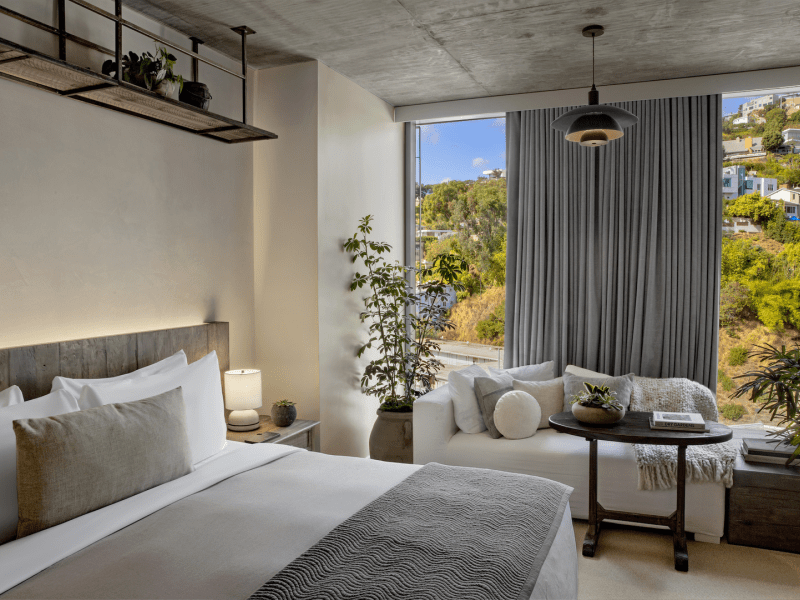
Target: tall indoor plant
[776, 385]
[401, 322]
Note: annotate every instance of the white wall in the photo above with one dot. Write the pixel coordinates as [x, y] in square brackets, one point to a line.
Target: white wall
[338, 158]
[360, 173]
[285, 238]
[111, 224]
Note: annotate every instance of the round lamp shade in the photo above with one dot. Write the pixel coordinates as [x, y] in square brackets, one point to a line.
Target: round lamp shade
[242, 389]
[595, 124]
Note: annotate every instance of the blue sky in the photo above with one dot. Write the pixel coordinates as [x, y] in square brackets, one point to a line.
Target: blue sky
[462, 149]
[731, 105]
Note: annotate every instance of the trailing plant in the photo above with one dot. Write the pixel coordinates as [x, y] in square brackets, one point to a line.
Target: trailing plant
[147, 70]
[284, 403]
[401, 321]
[597, 396]
[776, 385]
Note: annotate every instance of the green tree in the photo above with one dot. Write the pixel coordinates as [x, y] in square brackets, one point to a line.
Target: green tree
[437, 207]
[754, 206]
[481, 218]
[773, 130]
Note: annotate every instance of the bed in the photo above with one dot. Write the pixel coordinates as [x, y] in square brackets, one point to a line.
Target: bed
[245, 517]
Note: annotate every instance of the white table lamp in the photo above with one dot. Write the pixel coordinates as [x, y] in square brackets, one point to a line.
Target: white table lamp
[242, 395]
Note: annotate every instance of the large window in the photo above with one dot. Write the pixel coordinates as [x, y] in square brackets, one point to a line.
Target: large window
[461, 209]
[760, 278]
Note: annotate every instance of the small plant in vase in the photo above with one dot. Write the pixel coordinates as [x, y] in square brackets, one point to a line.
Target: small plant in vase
[597, 405]
[284, 413]
[151, 71]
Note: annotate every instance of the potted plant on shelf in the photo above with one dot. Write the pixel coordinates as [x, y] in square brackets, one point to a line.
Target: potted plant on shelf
[597, 405]
[154, 72]
[284, 413]
[400, 323]
[776, 385]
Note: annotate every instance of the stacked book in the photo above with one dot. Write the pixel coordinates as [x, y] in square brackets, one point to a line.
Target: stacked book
[769, 450]
[675, 421]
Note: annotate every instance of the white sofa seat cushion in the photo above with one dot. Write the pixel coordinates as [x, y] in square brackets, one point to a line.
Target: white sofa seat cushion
[565, 458]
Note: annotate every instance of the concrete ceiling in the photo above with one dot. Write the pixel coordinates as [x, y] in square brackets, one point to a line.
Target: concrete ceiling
[417, 51]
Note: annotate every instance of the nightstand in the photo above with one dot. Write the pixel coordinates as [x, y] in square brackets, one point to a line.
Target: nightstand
[763, 505]
[300, 434]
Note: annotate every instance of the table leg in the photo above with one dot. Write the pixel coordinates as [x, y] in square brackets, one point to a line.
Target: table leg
[593, 532]
[679, 535]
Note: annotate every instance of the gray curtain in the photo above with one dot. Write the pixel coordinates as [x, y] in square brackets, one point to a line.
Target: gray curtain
[615, 268]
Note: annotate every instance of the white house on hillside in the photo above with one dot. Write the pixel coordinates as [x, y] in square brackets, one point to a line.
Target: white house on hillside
[790, 199]
[758, 103]
[736, 182]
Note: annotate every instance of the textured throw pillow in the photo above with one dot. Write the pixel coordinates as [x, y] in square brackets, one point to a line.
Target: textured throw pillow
[549, 395]
[75, 386]
[202, 393]
[580, 372]
[11, 396]
[622, 385]
[72, 464]
[465, 404]
[517, 415]
[488, 391]
[57, 403]
[540, 372]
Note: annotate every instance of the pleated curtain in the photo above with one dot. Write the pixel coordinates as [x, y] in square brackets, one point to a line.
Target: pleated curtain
[613, 254]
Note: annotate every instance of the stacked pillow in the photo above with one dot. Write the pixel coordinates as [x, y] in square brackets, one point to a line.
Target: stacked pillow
[186, 405]
[515, 402]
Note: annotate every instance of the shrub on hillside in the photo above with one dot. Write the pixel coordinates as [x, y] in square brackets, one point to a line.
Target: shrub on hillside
[725, 381]
[737, 356]
[754, 206]
[783, 231]
[493, 328]
[776, 304]
[732, 412]
[734, 303]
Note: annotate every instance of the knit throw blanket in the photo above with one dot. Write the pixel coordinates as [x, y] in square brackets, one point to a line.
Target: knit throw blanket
[658, 465]
[444, 532]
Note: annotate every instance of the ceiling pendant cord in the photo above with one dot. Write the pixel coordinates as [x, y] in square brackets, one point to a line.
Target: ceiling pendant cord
[594, 95]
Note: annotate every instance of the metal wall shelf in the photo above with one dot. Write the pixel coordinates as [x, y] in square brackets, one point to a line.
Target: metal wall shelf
[57, 76]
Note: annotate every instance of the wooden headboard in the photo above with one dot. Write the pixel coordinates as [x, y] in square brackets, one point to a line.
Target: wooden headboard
[32, 368]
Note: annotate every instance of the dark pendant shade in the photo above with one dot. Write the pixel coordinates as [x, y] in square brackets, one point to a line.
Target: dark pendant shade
[595, 124]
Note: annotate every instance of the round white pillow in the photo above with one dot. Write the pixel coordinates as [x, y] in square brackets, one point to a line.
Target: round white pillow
[517, 415]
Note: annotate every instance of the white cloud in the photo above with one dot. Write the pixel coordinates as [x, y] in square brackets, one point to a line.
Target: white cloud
[445, 180]
[429, 134]
[477, 163]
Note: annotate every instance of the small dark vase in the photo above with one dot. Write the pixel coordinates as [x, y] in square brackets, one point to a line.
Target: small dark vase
[196, 94]
[283, 416]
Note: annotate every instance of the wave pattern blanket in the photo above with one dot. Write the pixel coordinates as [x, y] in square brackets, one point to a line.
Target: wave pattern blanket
[444, 532]
[658, 465]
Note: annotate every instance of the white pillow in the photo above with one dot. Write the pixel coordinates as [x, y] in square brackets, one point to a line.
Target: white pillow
[517, 415]
[573, 370]
[11, 396]
[202, 394]
[56, 403]
[541, 372]
[549, 395]
[465, 403]
[75, 386]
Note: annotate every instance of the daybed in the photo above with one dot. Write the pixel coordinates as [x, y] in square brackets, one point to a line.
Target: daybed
[562, 458]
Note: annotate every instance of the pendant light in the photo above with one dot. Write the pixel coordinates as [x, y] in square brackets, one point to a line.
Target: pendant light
[595, 124]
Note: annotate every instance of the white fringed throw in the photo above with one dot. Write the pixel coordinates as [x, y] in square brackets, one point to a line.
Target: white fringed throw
[658, 465]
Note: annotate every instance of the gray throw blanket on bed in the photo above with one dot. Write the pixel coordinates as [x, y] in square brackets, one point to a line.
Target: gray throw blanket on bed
[444, 532]
[658, 465]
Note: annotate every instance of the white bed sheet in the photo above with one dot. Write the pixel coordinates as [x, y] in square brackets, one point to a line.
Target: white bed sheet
[270, 515]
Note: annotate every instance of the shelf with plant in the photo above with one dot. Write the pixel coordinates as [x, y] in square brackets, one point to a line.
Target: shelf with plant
[154, 72]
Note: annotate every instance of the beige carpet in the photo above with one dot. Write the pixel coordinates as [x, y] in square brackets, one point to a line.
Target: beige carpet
[636, 563]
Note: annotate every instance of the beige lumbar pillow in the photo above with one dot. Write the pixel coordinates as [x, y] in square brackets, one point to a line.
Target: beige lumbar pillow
[549, 395]
[72, 464]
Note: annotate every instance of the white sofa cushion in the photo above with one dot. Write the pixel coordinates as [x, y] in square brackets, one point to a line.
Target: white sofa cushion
[465, 402]
[573, 370]
[11, 396]
[541, 372]
[517, 415]
[549, 395]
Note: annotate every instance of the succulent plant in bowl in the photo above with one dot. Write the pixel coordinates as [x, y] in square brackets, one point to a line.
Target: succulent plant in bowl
[597, 405]
[284, 413]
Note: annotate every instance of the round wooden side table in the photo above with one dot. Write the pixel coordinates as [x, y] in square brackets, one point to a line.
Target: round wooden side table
[635, 429]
